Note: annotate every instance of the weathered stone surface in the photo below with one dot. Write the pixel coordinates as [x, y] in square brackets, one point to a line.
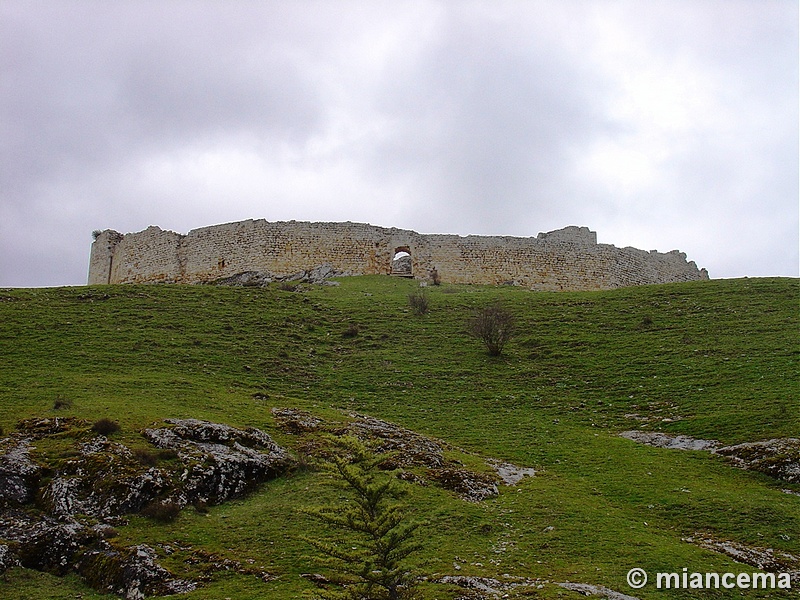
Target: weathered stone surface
[18, 474]
[566, 259]
[7, 558]
[42, 542]
[246, 279]
[468, 484]
[509, 473]
[779, 458]
[220, 462]
[404, 449]
[318, 275]
[104, 481]
[488, 587]
[674, 442]
[588, 589]
[409, 448]
[296, 421]
[132, 573]
[763, 559]
[64, 525]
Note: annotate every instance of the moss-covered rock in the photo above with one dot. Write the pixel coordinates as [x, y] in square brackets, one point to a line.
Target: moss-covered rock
[131, 572]
[56, 509]
[778, 458]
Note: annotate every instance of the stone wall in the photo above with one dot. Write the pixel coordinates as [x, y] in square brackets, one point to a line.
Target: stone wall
[566, 259]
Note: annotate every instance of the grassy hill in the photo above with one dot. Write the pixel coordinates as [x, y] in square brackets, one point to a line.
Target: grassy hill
[713, 360]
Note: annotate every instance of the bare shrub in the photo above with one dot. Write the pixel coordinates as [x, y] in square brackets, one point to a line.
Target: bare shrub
[105, 426]
[646, 322]
[144, 457]
[164, 511]
[419, 302]
[351, 331]
[62, 403]
[494, 326]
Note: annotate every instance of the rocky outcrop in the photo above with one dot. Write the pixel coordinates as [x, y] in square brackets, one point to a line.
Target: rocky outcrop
[65, 524]
[587, 589]
[219, 462]
[778, 458]
[674, 442]
[763, 559]
[18, 473]
[418, 458]
[132, 573]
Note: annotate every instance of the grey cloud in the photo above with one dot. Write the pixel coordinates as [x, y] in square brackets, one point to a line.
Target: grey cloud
[86, 84]
[473, 118]
[488, 128]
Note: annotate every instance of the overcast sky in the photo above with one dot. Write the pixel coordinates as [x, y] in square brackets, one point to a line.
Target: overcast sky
[659, 124]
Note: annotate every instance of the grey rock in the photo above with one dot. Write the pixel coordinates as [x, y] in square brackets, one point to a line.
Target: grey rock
[7, 559]
[510, 474]
[295, 421]
[105, 481]
[247, 279]
[411, 448]
[778, 458]
[132, 572]
[470, 485]
[18, 473]
[220, 462]
[588, 589]
[674, 442]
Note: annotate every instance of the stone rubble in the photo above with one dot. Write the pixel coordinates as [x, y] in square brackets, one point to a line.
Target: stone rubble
[596, 590]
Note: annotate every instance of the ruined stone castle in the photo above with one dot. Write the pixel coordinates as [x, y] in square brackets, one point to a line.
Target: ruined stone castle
[566, 259]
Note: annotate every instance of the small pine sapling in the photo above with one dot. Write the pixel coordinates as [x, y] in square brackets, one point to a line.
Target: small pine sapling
[370, 555]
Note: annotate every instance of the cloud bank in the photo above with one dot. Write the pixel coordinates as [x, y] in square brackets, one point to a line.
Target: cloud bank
[671, 127]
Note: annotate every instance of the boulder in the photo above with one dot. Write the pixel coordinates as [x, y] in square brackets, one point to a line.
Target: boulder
[219, 462]
[132, 572]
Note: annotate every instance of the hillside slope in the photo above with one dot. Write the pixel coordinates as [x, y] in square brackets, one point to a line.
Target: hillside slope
[711, 360]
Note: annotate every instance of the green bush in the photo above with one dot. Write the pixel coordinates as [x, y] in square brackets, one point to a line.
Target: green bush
[370, 557]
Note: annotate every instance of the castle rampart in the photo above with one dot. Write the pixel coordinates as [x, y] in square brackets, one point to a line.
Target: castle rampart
[566, 259]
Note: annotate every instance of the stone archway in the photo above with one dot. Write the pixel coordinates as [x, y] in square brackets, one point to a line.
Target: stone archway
[401, 262]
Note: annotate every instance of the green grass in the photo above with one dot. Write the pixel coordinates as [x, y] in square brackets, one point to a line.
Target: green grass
[715, 360]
